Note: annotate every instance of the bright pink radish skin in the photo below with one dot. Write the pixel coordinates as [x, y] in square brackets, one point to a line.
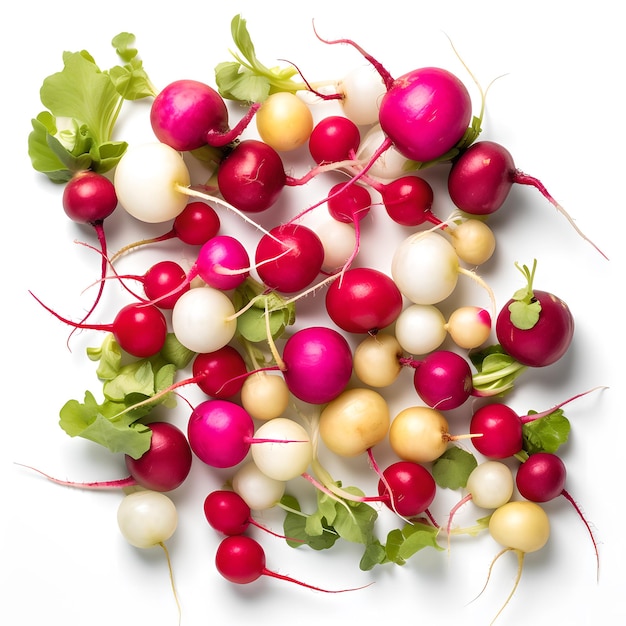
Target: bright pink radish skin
[252, 176]
[289, 258]
[541, 478]
[412, 486]
[188, 114]
[317, 364]
[363, 300]
[241, 560]
[481, 178]
[442, 379]
[140, 329]
[89, 198]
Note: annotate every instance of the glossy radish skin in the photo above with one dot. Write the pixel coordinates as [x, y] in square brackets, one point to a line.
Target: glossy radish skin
[163, 278]
[499, 429]
[252, 176]
[333, 139]
[184, 111]
[227, 512]
[363, 300]
[167, 463]
[89, 198]
[408, 201]
[547, 341]
[221, 373]
[425, 113]
[541, 477]
[413, 488]
[290, 259]
[318, 364]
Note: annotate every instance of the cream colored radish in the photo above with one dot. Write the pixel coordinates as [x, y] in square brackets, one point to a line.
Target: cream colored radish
[284, 121]
[376, 360]
[257, 489]
[282, 461]
[203, 319]
[354, 422]
[469, 326]
[148, 179]
[362, 90]
[420, 328]
[147, 518]
[473, 241]
[265, 396]
[490, 484]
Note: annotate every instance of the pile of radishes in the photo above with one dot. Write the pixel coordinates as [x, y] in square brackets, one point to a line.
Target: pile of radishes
[282, 396]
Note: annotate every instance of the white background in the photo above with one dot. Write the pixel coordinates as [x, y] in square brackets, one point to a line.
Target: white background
[558, 109]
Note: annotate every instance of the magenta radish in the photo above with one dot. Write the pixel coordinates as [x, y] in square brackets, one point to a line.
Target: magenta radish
[289, 257]
[139, 329]
[241, 560]
[363, 300]
[317, 354]
[89, 198]
[535, 327]
[252, 176]
[188, 114]
[334, 139]
[408, 488]
[195, 225]
[481, 178]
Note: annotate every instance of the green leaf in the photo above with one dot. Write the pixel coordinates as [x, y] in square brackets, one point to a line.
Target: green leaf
[355, 523]
[525, 309]
[547, 433]
[417, 536]
[175, 353]
[452, 469]
[295, 528]
[374, 554]
[109, 356]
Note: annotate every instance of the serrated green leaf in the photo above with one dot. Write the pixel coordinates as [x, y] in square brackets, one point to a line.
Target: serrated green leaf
[547, 433]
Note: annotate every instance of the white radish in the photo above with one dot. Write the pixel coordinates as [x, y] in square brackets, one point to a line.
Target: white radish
[420, 328]
[147, 518]
[362, 90]
[258, 490]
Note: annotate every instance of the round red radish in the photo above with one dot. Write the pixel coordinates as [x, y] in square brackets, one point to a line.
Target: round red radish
[221, 373]
[89, 198]
[498, 431]
[163, 278]
[363, 300]
[227, 512]
[541, 477]
[413, 488]
[252, 176]
[333, 139]
[167, 463]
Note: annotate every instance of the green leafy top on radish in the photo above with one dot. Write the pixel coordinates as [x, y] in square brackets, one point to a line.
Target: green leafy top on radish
[124, 386]
[83, 103]
[525, 310]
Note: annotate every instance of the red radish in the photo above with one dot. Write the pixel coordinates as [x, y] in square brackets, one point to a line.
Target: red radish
[163, 467]
[363, 300]
[541, 478]
[188, 114]
[167, 463]
[140, 329]
[89, 198]
[241, 560]
[412, 486]
[221, 373]
[481, 178]
[535, 327]
[197, 223]
[289, 257]
[409, 200]
[228, 513]
[252, 176]
[317, 364]
[349, 205]
[334, 139]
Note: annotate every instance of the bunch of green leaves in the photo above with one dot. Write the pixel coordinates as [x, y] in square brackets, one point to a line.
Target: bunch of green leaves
[340, 518]
[260, 309]
[246, 79]
[115, 423]
[82, 104]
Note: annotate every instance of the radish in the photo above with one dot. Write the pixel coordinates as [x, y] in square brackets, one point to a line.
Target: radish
[535, 327]
[147, 518]
[139, 329]
[521, 527]
[188, 114]
[408, 488]
[284, 121]
[258, 490]
[89, 198]
[354, 422]
[317, 364]
[481, 178]
[289, 257]
[333, 139]
[376, 360]
[195, 225]
[220, 373]
[241, 560]
[264, 395]
[252, 176]
[541, 478]
[363, 300]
